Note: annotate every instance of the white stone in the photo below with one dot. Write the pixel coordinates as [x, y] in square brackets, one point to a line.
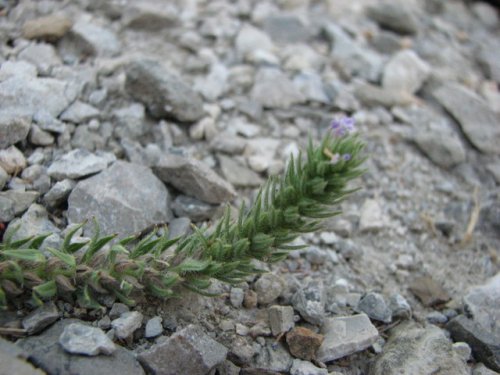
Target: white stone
[79, 338]
[405, 72]
[126, 324]
[372, 218]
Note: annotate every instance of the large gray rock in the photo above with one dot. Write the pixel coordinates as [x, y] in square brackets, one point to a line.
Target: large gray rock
[14, 127]
[80, 338]
[188, 351]
[46, 352]
[477, 120]
[273, 89]
[405, 72]
[237, 173]
[15, 202]
[42, 55]
[412, 350]
[194, 178]
[40, 318]
[346, 335]
[124, 198]
[13, 360]
[394, 16]
[164, 94]
[79, 163]
[489, 58]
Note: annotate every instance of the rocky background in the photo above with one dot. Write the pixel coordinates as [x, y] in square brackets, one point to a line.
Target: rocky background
[140, 112]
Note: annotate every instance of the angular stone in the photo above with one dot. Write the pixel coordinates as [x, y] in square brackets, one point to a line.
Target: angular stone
[481, 369]
[428, 291]
[373, 96]
[309, 301]
[229, 144]
[374, 305]
[346, 335]
[249, 38]
[405, 72]
[130, 121]
[303, 343]
[150, 16]
[21, 69]
[477, 120]
[273, 357]
[42, 55]
[46, 352]
[412, 350]
[215, 83]
[484, 344]
[286, 29]
[189, 351]
[127, 324]
[79, 163]
[40, 137]
[280, 319]
[306, 368]
[196, 210]
[194, 178]
[13, 361]
[33, 223]
[394, 16]
[273, 89]
[372, 219]
[15, 202]
[236, 297]
[12, 160]
[238, 174]
[80, 338]
[311, 86]
[400, 307]
[153, 327]
[40, 318]
[14, 127]
[51, 28]
[164, 94]
[79, 112]
[59, 192]
[268, 287]
[125, 198]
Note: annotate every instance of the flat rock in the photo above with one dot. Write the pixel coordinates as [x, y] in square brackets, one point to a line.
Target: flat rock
[124, 198]
[14, 127]
[79, 112]
[405, 72]
[429, 291]
[42, 55]
[150, 16]
[13, 360]
[50, 28]
[189, 351]
[249, 37]
[272, 357]
[79, 163]
[127, 324]
[154, 327]
[15, 202]
[40, 318]
[238, 174]
[306, 368]
[373, 96]
[164, 94]
[394, 16]
[194, 178]
[475, 117]
[346, 335]
[46, 352]
[280, 318]
[80, 338]
[412, 350]
[286, 29]
[273, 89]
[59, 192]
[303, 343]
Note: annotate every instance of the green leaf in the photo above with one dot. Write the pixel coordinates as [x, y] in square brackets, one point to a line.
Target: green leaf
[96, 243]
[124, 299]
[191, 265]
[160, 292]
[86, 300]
[46, 290]
[66, 258]
[29, 255]
[3, 300]
[37, 241]
[67, 246]
[144, 246]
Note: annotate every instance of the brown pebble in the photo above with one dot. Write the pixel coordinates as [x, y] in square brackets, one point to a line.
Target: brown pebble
[303, 343]
[250, 299]
[429, 292]
[50, 28]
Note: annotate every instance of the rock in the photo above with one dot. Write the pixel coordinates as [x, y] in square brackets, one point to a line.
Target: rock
[154, 327]
[203, 352]
[80, 338]
[127, 324]
[280, 319]
[306, 368]
[394, 16]
[79, 112]
[373, 96]
[88, 39]
[13, 360]
[12, 160]
[117, 310]
[311, 87]
[43, 56]
[400, 307]
[250, 299]
[46, 352]
[488, 57]
[40, 137]
[179, 227]
[387, 42]
[229, 144]
[194, 178]
[40, 318]
[481, 369]
[50, 28]
[463, 350]
[192, 208]
[273, 89]
[150, 16]
[428, 291]
[477, 120]
[79, 163]
[238, 174]
[286, 29]
[14, 127]
[214, 84]
[236, 297]
[405, 73]
[249, 37]
[21, 69]
[273, 357]
[435, 317]
[164, 94]
[130, 121]
[144, 202]
[15, 202]
[372, 219]
[485, 345]
[59, 193]
[483, 305]
[310, 300]
[228, 368]
[374, 305]
[346, 335]
[417, 351]
[303, 343]
[4, 177]
[47, 122]
[268, 287]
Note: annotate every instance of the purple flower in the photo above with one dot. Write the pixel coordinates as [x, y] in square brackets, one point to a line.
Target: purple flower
[343, 126]
[346, 157]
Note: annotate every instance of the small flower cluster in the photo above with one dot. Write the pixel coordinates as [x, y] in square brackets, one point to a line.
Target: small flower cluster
[340, 128]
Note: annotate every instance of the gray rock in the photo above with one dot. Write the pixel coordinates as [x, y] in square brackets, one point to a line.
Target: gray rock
[394, 16]
[429, 291]
[144, 201]
[40, 137]
[215, 83]
[191, 343]
[14, 127]
[79, 112]
[4, 177]
[42, 55]
[238, 174]
[59, 193]
[228, 368]
[32, 95]
[88, 39]
[273, 89]
[12, 160]
[250, 38]
[463, 350]
[13, 360]
[417, 351]
[179, 227]
[286, 29]
[280, 319]
[405, 72]
[374, 305]
[50, 28]
[300, 367]
[46, 352]
[193, 208]
[78, 338]
[268, 287]
[372, 218]
[310, 301]
[117, 310]
[477, 120]
[40, 318]
[21, 69]
[400, 307]
[150, 16]
[79, 163]
[386, 42]
[273, 357]
[346, 335]
[35, 222]
[15, 202]
[194, 178]
[130, 121]
[127, 324]
[228, 143]
[164, 94]
[481, 369]
[488, 58]
[236, 297]
[47, 122]
[153, 327]
[435, 317]
[311, 86]
[373, 96]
